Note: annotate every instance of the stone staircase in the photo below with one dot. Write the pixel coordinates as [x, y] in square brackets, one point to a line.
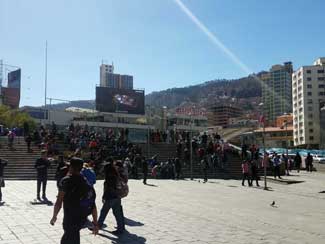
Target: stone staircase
[165, 151]
[20, 162]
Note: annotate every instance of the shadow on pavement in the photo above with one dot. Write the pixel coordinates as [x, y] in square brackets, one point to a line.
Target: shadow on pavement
[152, 185]
[36, 202]
[131, 222]
[126, 237]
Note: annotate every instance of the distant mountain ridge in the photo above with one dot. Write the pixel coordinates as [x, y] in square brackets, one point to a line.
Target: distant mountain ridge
[241, 91]
[207, 93]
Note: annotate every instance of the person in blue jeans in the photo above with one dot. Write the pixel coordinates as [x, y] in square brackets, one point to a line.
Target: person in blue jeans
[111, 199]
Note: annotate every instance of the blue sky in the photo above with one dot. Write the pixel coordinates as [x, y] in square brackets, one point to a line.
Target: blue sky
[153, 40]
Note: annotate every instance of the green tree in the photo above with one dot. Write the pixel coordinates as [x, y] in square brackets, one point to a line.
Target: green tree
[15, 118]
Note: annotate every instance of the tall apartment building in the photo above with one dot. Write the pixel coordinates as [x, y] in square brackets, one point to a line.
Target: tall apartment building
[276, 91]
[105, 71]
[109, 79]
[308, 91]
[322, 128]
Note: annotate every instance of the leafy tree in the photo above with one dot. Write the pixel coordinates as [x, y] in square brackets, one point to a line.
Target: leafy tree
[14, 118]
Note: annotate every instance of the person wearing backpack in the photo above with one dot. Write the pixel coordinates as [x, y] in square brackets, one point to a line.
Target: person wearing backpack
[112, 199]
[74, 195]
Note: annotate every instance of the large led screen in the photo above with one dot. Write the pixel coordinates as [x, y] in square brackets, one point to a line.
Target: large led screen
[113, 100]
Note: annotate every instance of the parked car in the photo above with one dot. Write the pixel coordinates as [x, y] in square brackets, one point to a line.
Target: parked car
[319, 159]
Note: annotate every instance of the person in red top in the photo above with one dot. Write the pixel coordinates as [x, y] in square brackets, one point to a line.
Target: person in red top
[93, 145]
[245, 170]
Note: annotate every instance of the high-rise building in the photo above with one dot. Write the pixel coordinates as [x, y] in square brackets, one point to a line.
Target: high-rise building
[109, 79]
[105, 71]
[277, 92]
[308, 91]
[322, 128]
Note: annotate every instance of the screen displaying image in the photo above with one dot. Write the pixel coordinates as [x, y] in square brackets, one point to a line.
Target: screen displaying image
[119, 100]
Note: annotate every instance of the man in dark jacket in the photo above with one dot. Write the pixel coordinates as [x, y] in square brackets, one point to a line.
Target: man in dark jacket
[3, 163]
[178, 168]
[41, 165]
[297, 160]
[72, 189]
[309, 162]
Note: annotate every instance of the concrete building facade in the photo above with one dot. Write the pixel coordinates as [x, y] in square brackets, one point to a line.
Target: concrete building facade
[219, 115]
[277, 92]
[308, 92]
[109, 79]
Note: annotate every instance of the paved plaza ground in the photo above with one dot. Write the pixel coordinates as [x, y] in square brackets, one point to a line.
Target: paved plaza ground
[221, 211]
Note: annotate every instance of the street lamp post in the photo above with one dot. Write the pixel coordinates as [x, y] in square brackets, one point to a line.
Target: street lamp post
[191, 147]
[263, 140]
[148, 136]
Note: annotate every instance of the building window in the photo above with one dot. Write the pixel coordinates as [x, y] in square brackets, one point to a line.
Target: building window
[311, 138]
[321, 93]
[309, 86]
[309, 93]
[310, 116]
[308, 71]
[311, 130]
[299, 74]
[308, 78]
[310, 123]
[310, 101]
[321, 86]
[321, 78]
[301, 138]
[320, 71]
[310, 109]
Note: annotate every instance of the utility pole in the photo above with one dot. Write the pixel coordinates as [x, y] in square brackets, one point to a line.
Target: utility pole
[45, 81]
[191, 146]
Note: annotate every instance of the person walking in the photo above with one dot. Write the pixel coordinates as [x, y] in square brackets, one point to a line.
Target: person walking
[297, 160]
[41, 165]
[145, 167]
[28, 140]
[73, 188]
[245, 170]
[111, 199]
[285, 161]
[11, 138]
[254, 170]
[136, 164]
[205, 168]
[276, 165]
[3, 163]
[309, 162]
[178, 168]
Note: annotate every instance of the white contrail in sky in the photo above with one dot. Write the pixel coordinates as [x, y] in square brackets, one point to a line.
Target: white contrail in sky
[212, 36]
[214, 39]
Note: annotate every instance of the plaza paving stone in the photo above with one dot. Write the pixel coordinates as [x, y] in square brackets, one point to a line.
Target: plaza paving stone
[220, 211]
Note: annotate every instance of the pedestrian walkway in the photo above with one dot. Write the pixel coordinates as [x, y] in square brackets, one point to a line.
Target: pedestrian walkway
[220, 211]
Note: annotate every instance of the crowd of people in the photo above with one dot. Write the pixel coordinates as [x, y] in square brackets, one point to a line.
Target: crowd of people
[106, 152]
[253, 161]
